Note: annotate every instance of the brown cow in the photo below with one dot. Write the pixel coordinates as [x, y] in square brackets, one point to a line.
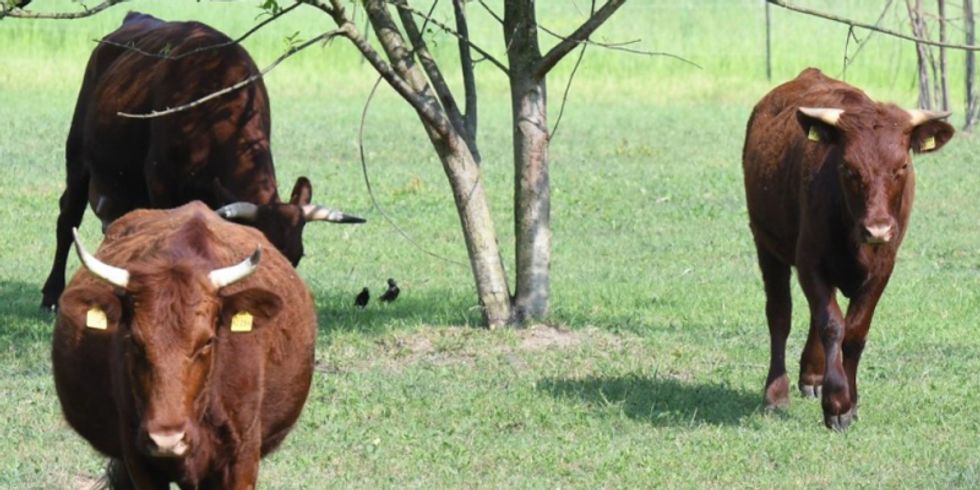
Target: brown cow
[155, 362]
[217, 152]
[829, 183]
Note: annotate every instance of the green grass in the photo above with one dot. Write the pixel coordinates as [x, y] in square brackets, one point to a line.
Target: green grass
[654, 376]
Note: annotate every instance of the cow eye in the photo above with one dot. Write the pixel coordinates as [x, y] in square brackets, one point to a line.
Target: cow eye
[205, 348]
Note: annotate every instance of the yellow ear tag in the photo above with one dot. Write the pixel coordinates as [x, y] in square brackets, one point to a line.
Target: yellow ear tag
[95, 318]
[813, 135]
[241, 322]
[929, 143]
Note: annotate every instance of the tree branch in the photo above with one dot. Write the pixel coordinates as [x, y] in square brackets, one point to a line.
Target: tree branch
[623, 46]
[888, 32]
[18, 13]
[466, 62]
[326, 36]
[461, 38]
[167, 56]
[552, 57]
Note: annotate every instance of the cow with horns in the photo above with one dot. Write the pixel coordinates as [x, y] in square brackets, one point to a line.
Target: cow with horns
[178, 366]
[217, 152]
[829, 182]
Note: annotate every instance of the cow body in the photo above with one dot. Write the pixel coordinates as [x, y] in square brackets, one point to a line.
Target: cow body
[217, 152]
[165, 386]
[829, 186]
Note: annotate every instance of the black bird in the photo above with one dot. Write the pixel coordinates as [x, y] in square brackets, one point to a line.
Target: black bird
[362, 298]
[392, 293]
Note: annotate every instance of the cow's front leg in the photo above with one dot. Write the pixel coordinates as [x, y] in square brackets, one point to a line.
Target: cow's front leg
[243, 472]
[859, 314]
[826, 319]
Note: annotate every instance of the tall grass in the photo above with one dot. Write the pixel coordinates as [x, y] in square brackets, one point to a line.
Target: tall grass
[657, 380]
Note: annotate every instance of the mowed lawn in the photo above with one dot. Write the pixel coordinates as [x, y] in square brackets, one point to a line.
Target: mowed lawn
[649, 372]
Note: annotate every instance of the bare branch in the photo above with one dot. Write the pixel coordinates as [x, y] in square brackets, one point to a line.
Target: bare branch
[238, 40]
[421, 50]
[564, 97]
[491, 12]
[551, 58]
[326, 36]
[889, 32]
[450, 30]
[848, 60]
[466, 62]
[622, 46]
[18, 13]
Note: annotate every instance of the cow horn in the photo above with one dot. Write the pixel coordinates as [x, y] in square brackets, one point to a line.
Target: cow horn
[111, 274]
[826, 114]
[919, 116]
[238, 210]
[227, 276]
[313, 212]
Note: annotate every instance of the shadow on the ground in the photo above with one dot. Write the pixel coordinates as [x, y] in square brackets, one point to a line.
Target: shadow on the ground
[658, 401]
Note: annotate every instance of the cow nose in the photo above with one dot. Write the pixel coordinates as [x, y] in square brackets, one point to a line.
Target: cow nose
[878, 234]
[167, 443]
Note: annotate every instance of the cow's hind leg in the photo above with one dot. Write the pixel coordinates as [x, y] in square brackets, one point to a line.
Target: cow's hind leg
[72, 204]
[779, 309]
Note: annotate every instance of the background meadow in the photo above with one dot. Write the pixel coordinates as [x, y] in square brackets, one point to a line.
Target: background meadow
[649, 372]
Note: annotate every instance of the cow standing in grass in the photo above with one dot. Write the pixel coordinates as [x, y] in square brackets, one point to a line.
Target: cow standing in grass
[177, 364]
[217, 152]
[829, 182]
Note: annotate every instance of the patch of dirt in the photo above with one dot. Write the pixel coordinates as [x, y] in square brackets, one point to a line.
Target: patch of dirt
[449, 346]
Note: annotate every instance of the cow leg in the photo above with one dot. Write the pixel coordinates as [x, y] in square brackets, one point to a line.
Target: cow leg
[244, 469]
[775, 276]
[811, 365]
[72, 207]
[826, 318]
[859, 315]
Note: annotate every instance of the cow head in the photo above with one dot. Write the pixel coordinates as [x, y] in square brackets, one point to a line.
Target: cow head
[873, 161]
[282, 223]
[169, 320]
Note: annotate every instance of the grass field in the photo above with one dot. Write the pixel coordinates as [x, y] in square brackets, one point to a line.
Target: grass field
[649, 372]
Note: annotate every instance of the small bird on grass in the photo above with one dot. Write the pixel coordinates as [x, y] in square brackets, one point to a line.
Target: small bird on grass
[362, 299]
[392, 293]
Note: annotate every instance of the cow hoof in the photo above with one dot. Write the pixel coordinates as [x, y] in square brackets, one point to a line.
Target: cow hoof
[840, 423]
[777, 394]
[810, 392]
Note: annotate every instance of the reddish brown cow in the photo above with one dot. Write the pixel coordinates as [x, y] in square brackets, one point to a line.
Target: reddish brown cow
[155, 362]
[829, 183]
[217, 152]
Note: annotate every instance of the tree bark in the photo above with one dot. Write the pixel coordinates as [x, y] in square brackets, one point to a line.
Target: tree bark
[532, 191]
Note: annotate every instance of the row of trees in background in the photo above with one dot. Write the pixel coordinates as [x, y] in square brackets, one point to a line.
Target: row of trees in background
[929, 27]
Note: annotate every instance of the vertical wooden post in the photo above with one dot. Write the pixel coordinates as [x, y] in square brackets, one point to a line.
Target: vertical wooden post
[943, 83]
[921, 51]
[971, 38]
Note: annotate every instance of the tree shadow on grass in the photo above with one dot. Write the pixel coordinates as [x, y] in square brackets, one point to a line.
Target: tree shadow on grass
[661, 402]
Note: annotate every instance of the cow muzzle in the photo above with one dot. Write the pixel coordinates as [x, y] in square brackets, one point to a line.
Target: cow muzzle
[167, 444]
[878, 234]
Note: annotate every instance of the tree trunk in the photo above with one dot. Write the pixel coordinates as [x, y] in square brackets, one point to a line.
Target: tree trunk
[532, 190]
[922, 53]
[943, 83]
[971, 38]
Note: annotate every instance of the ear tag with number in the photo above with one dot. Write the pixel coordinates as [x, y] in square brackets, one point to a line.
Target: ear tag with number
[241, 322]
[95, 318]
[813, 135]
[929, 143]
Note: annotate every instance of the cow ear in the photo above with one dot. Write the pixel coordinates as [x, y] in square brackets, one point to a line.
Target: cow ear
[302, 192]
[815, 129]
[931, 136]
[249, 309]
[90, 307]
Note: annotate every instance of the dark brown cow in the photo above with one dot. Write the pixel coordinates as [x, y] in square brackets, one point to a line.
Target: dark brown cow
[217, 152]
[149, 366]
[829, 183]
